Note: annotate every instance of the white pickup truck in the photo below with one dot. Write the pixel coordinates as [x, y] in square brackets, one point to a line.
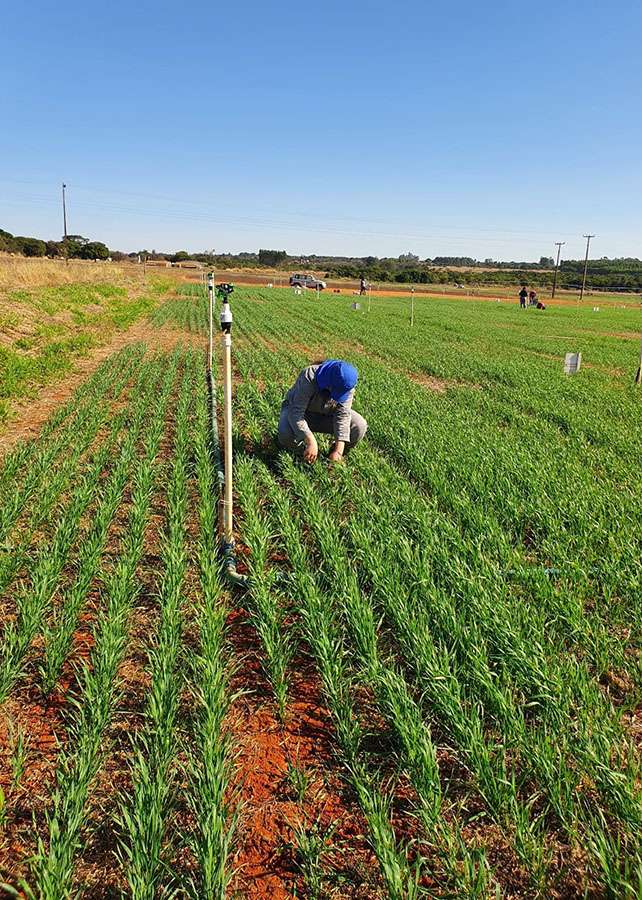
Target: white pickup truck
[307, 281]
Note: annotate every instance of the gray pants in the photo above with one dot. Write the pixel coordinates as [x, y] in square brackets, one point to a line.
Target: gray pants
[321, 424]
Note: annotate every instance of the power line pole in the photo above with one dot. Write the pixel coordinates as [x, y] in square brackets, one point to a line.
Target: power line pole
[559, 245]
[64, 210]
[588, 241]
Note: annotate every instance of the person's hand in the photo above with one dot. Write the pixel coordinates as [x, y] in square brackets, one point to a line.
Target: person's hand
[311, 451]
[335, 456]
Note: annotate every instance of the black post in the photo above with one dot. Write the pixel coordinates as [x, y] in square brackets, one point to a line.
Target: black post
[64, 210]
[588, 241]
[558, 244]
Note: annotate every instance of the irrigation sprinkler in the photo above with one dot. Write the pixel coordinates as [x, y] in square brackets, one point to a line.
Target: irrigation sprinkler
[224, 475]
[210, 300]
[369, 296]
[223, 291]
[229, 559]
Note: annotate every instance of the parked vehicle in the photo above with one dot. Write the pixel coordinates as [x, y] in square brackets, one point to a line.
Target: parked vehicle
[307, 281]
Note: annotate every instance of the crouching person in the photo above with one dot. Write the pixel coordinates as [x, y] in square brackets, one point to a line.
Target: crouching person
[321, 401]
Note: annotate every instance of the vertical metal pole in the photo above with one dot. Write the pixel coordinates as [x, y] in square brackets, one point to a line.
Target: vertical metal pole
[412, 307]
[369, 296]
[210, 304]
[228, 513]
[588, 241]
[64, 210]
[559, 245]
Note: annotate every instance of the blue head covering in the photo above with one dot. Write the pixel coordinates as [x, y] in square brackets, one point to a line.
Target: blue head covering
[338, 377]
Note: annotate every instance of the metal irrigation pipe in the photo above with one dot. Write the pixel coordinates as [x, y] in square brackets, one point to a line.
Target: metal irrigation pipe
[224, 470]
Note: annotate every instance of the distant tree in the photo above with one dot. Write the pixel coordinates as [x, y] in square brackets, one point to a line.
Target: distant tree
[180, 256]
[272, 258]
[546, 262]
[73, 244]
[54, 249]
[7, 243]
[93, 250]
[30, 246]
[117, 256]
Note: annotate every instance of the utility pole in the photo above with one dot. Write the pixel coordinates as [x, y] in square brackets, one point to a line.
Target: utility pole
[64, 210]
[588, 241]
[559, 245]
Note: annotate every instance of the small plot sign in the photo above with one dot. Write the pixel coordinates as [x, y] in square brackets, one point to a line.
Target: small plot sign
[572, 363]
[356, 306]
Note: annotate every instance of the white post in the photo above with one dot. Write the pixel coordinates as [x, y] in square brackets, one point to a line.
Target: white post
[226, 328]
[228, 513]
[210, 300]
[369, 295]
[412, 307]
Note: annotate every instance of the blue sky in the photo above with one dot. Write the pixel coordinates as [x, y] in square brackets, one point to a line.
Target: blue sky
[335, 127]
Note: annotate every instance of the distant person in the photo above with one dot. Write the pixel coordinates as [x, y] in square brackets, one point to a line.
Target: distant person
[540, 305]
[363, 286]
[523, 294]
[532, 298]
[321, 400]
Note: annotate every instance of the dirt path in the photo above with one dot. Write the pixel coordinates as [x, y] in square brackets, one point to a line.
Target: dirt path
[29, 415]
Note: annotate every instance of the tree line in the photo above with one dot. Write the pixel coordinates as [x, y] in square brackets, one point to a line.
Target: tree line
[620, 274]
[74, 246]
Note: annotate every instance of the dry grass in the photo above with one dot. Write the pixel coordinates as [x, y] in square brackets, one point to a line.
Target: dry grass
[54, 314]
[18, 272]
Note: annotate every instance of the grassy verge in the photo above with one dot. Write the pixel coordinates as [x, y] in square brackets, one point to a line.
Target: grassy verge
[44, 330]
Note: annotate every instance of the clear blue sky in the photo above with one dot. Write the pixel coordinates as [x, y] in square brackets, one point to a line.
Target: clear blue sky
[489, 130]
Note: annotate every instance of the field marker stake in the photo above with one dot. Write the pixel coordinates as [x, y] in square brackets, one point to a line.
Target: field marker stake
[412, 306]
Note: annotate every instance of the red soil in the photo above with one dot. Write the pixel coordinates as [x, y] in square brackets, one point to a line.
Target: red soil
[266, 863]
